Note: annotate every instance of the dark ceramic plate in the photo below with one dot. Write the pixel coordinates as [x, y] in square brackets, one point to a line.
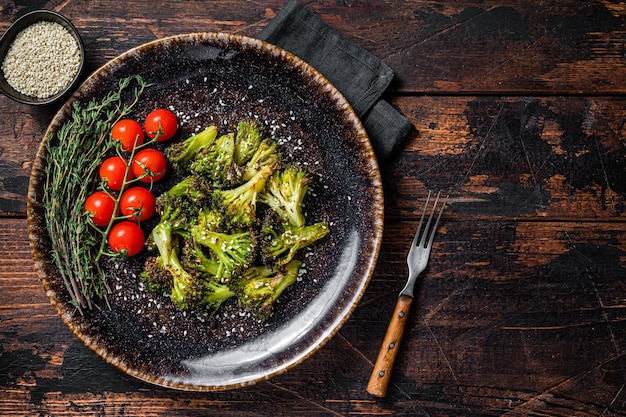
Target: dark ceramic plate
[220, 79]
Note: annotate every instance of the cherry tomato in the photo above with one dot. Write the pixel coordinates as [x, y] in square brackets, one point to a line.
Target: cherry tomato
[113, 170]
[137, 202]
[101, 207]
[163, 120]
[126, 236]
[129, 133]
[151, 161]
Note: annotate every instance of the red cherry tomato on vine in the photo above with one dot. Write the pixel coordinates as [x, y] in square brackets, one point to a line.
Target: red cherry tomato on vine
[113, 169]
[126, 236]
[101, 207]
[129, 133]
[161, 122]
[137, 202]
[151, 161]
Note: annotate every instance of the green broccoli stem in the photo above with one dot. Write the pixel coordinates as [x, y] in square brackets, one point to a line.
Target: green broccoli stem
[284, 193]
[240, 202]
[281, 246]
[215, 294]
[233, 251]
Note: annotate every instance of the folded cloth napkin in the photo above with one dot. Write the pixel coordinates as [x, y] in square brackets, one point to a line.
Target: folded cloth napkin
[357, 74]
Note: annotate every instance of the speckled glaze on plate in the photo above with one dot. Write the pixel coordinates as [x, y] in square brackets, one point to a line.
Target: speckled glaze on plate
[215, 78]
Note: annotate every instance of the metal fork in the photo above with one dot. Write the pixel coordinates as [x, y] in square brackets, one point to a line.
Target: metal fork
[417, 260]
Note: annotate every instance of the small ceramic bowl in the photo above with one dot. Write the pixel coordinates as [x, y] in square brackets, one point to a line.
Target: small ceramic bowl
[9, 37]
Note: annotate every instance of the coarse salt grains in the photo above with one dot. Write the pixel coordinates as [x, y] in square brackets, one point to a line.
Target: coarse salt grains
[43, 60]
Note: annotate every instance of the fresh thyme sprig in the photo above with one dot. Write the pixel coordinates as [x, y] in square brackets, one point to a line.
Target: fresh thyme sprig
[73, 157]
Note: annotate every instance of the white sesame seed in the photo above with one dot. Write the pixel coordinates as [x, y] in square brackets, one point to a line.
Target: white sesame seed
[42, 60]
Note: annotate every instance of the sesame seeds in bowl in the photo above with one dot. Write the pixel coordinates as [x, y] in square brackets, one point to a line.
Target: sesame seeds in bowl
[41, 58]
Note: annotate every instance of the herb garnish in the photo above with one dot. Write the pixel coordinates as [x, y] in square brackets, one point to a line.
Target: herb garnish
[73, 157]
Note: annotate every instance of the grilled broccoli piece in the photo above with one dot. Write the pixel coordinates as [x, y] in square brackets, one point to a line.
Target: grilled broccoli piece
[167, 236]
[211, 219]
[195, 258]
[260, 286]
[182, 153]
[155, 277]
[186, 285]
[216, 162]
[234, 252]
[247, 141]
[281, 241]
[284, 192]
[239, 203]
[265, 155]
[192, 192]
[214, 295]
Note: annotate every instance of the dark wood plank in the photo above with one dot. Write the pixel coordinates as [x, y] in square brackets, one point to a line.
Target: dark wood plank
[506, 47]
[513, 157]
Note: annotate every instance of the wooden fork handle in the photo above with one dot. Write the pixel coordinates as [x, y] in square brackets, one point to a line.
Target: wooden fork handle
[381, 374]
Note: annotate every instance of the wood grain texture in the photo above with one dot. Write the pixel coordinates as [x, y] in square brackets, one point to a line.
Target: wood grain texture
[383, 367]
[518, 112]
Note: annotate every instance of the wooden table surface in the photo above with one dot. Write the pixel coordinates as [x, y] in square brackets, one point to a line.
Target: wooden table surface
[519, 111]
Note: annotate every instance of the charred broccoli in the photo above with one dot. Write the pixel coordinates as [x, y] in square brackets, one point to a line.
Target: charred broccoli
[167, 236]
[182, 153]
[186, 285]
[284, 192]
[239, 204]
[265, 155]
[211, 243]
[216, 162]
[214, 295]
[281, 241]
[194, 257]
[234, 252]
[155, 277]
[247, 141]
[191, 193]
[259, 286]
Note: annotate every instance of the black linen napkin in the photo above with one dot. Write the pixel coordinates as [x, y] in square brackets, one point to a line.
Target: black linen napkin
[357, 74]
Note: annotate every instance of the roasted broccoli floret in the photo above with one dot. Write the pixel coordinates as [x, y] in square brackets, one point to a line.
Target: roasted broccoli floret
[260, 286]
[155, 277]
[214, 295]
[234, 252]
[182, 153]
[167, 236]
[211, 219]
[216, 162]
[187, 286]
[193, 192]
[280, 242]
[239, 203]
[247, 141]
[265, 155]
[284, 192]
[195, 258]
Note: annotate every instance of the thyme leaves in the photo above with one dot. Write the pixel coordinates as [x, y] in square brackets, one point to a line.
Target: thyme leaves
[74, 154]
